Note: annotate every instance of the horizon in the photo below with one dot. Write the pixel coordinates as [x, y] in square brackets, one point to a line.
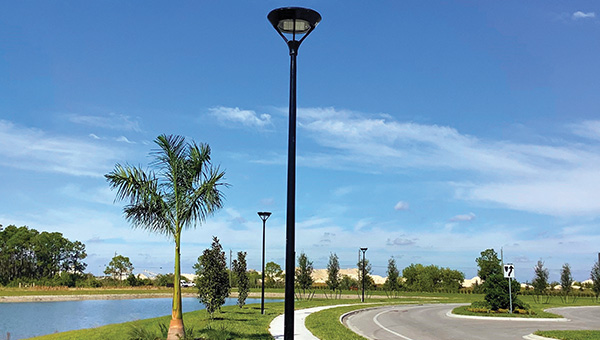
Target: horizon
[426, 131]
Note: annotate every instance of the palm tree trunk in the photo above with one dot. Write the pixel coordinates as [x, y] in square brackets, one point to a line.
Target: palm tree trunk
[176, 330]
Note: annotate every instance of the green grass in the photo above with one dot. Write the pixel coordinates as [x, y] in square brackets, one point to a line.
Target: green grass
[326, 325]
[539, 313]
[571, 335]
[231, 323]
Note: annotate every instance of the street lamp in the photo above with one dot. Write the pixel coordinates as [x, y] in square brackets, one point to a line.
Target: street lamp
[364, 250]
[264, 216]
[294, 22]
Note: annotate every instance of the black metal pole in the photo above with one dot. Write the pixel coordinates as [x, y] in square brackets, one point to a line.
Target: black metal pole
[363, 278]
[262, 295]
[290, 242]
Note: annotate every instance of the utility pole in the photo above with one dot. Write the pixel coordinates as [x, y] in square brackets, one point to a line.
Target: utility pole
[230, 255]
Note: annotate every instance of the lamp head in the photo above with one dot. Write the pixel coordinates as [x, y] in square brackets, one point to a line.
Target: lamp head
[294, 20]
[264, 215]
[364, 249]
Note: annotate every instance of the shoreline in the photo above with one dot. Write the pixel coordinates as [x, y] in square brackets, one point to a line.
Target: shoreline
[125, 296]
[122, 296]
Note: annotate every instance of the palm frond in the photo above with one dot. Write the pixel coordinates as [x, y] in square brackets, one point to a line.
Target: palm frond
[206, 198]
[170, 153]
[150, 217]
[185, 189]
[147, 208]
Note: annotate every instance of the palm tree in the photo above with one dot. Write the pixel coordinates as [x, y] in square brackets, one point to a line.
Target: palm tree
[184, 190]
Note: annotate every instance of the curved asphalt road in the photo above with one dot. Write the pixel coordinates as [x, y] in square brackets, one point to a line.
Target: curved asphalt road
[431, 322]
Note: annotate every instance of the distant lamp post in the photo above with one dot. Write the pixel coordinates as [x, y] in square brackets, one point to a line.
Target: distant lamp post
[264, 216]
[295, 22]
[364, 250]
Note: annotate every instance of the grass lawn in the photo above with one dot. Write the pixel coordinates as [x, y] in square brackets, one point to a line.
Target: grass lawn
[570, 335]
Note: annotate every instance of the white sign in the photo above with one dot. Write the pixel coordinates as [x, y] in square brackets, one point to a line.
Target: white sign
[509, 271]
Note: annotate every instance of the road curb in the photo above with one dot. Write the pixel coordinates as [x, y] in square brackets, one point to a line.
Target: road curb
[452, 315]
[536, 337]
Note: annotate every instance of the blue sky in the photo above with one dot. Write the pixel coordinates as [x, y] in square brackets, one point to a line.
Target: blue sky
[427, 131]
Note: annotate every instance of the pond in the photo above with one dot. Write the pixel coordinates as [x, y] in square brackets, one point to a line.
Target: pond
[29, 319]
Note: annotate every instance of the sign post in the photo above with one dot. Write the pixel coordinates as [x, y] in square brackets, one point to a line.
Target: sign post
[509, 273]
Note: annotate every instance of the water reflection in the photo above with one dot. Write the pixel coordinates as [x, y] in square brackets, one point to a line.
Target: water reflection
[28, 319]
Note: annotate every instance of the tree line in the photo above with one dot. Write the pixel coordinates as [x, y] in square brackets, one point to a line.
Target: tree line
[27, 255]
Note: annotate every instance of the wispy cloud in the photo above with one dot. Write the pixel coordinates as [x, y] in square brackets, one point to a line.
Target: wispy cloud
[124, 139]
[113, 121]
[33, 149]
[401, 205]
[463, 218]
[400, 242]
[555, 178]
[244, 117]
[588, 129]
[583, 15]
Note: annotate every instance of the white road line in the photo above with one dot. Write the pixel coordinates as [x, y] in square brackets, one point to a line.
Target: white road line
[387, 329]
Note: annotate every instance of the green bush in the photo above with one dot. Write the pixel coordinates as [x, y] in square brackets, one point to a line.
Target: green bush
[496, 292]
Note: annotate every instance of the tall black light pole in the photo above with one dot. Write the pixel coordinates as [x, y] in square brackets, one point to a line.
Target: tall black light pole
[264, 216]
[295, 22]
[364, 250]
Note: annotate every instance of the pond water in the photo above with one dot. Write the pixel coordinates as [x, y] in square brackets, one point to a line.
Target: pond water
[29, 319]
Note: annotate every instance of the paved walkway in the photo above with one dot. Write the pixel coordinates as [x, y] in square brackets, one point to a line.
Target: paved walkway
[300, 330]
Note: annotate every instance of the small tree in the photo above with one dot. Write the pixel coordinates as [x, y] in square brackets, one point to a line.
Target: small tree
[488, 263]
[391, 283]
[566, 281]
[495, 286]
[595, 275]
[496, 293]
[304, 272]
[212, 280]
[540, 281]
[273, 274]
[348, 283]
[239, 268]
[333, 273]
[364, 267]
[119, 266]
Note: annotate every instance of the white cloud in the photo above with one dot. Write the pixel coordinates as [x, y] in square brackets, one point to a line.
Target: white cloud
[124, 139]
[244, 117]
[113, 121]
[574, 192]
[400, 242]
[588, 129]
[342, 191]
[33, 149]
[386, 143]
[401, 205]
[581, 15]
[555, 179]
[463, 218]
[102, 195]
